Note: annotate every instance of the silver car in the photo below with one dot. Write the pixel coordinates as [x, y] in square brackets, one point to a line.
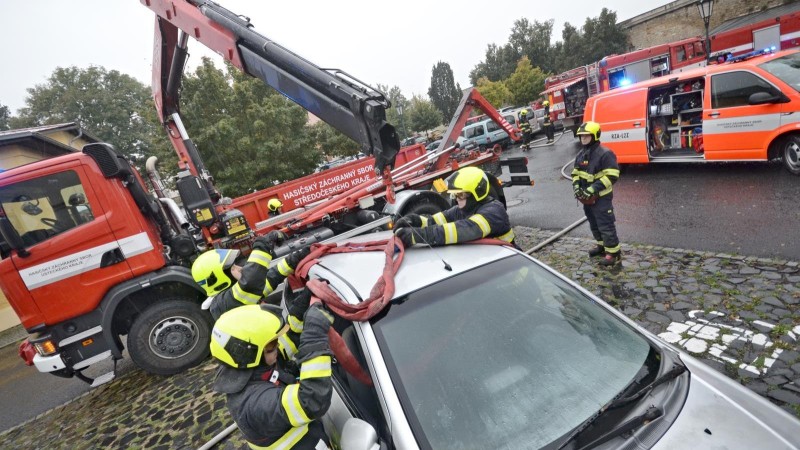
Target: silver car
[484, 347]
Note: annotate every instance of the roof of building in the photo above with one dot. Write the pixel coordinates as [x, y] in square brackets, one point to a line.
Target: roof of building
[41, 135]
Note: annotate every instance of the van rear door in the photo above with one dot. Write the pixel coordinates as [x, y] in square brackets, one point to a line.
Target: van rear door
[733, 129]
[622, 115]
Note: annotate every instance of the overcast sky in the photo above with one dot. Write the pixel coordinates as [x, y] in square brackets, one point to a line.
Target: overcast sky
[397, 45]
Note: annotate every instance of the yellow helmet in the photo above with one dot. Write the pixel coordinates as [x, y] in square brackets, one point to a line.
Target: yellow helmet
[590, 128]
[274, 204]
[209, 270]
[469, 179]
[545, 103]
[239, 335]
[524, 112]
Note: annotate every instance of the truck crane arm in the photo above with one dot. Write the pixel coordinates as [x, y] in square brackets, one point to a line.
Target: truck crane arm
[344, 102]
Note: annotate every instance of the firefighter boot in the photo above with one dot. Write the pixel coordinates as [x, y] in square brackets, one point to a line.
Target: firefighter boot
[611, 259]
[597, 251]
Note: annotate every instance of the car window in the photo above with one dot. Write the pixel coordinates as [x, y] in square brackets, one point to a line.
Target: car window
[786, 68]
[505, 356]
[491, 126]
[474, 132]
[735, 88]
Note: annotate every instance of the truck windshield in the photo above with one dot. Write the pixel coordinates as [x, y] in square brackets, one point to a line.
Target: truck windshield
[507, 356]
[787, 68]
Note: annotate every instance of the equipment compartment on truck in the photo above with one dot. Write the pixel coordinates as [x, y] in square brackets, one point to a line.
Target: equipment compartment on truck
[675, 118]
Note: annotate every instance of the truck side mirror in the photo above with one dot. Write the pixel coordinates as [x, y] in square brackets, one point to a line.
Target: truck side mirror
[359, 435]
[761, 98]
[12, 237]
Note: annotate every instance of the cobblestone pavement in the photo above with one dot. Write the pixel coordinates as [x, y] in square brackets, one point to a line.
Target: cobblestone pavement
[738, 314]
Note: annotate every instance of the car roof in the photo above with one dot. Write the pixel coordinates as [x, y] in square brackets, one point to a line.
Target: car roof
[703, 71]
[421, 266]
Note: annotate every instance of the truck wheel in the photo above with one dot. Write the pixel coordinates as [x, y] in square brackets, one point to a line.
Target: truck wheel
[791, 155]
[423, 206]
[170, 337]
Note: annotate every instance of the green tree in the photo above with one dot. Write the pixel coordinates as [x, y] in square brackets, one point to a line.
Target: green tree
[495, 92]
[499, 64]
[423, 115]
[110, 105]
[249, 135]
[444, 92]
[532, 40]
[525, 83]
[392, 116]
[5, 115]
[331, 142]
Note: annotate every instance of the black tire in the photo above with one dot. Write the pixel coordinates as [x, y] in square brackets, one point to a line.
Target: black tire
[790, 153]
[423, 206]
[170, 336]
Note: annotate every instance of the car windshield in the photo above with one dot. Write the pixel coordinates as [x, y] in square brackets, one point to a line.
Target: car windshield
[506, 356]
[787, 68]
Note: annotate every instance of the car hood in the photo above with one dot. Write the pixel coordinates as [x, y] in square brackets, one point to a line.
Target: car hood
[719, 413]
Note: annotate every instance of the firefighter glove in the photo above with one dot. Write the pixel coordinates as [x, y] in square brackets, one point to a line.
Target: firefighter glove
[586, 194]
[406, 235]
[576, 188]
[300, 303]
[268, 242]
[409, 220]
[296, 256]
[318, 314]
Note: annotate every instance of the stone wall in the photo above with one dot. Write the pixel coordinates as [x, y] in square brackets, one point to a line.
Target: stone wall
[680, 19]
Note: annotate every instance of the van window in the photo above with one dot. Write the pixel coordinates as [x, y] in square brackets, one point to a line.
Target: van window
[681, 55]
[735, 88]
[473, 132]
[787, 68]
[698, 49]
[491, 126]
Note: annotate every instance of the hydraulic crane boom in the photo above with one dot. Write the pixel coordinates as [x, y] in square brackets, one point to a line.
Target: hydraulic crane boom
[344, 102]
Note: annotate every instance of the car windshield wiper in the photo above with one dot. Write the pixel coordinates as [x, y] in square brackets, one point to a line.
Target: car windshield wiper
[647, 416]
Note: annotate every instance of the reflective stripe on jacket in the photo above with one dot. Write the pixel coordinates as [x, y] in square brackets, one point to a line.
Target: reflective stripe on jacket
[490, 220]
[596, 167]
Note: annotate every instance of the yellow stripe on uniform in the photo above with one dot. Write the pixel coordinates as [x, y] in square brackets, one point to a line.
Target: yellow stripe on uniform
[450, 233]
[287, 345]
[482, 223]
[260, 258]
[439, 218]
[424, 221]
[286, 441]
[284, 268]
[606, 181]
[244, 296]
[268, 288]
[295, 324]
[291, 404]
[612, 172]
[318, 367]
[507, 237]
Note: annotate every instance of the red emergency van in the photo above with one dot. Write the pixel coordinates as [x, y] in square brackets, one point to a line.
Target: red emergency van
[747, 109]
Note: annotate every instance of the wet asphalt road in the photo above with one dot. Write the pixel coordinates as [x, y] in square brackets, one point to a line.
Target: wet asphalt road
[738, 208]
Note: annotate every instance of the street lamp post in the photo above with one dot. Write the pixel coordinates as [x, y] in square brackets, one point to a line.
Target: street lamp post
[706, 7]
[400, 113]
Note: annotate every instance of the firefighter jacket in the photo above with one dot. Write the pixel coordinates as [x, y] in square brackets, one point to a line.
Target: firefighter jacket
[595, 167]
[489, 220]
[272, 414]
[546, 121]
[524, 125]
[257, 281]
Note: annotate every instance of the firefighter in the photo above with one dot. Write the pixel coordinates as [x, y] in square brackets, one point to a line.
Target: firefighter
[229, 285]
[477, 215]
[595, 172]
[524, 128]
[273, 404]
[274, 205]
[547, 123]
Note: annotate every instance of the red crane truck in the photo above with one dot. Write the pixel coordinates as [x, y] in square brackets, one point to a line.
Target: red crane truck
[89, 255]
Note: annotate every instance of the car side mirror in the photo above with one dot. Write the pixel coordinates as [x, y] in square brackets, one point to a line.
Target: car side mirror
[12, 237]
[359, 435]
[761, 98]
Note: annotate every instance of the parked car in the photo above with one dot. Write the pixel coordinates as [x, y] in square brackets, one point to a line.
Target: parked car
[485, 134]
[462, 142]
[484, 347]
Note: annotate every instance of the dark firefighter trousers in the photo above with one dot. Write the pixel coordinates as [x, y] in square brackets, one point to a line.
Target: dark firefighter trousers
[601, 222]
[549, 130]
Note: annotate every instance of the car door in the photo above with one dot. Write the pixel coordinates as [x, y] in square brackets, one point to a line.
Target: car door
[733, 129]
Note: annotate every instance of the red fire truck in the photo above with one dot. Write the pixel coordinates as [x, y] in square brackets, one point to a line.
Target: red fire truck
[568, 91]
[89, 255]
[775, 29]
